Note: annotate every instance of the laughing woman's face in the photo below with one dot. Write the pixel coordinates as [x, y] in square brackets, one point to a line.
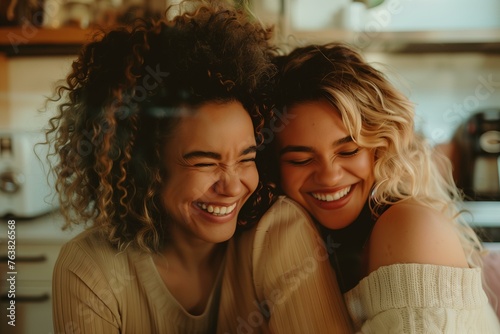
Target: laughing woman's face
[211, 171]
[321, 167]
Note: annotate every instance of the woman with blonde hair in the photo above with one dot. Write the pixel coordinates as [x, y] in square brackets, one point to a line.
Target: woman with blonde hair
[405, 259]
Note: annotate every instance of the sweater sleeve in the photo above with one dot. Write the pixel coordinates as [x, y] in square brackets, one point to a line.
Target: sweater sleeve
[82, 302]
[293, 276]
[421, 298]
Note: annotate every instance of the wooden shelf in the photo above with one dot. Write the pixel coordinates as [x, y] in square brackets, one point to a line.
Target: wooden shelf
[36, 35]
[36, 40]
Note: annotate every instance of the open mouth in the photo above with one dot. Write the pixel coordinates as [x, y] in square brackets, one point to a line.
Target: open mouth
[330, 197]
[217, 210]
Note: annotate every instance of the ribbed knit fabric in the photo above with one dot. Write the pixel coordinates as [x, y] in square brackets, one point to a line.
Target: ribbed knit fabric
[421, 298]
[286, 284]
[276, 278]
[99, 290]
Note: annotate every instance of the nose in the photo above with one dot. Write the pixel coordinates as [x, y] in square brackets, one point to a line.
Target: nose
[328, 173]
[228, 184]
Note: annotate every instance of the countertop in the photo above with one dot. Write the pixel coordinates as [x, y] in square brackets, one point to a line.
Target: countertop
[44, 229]
[484, 217]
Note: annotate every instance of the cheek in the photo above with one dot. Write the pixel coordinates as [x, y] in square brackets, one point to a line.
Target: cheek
[250, 177]
[188, 186]
[200, 183]
[363, 166]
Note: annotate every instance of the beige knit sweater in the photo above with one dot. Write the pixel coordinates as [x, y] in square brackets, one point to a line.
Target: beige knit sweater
[277, 279]
[422, 298]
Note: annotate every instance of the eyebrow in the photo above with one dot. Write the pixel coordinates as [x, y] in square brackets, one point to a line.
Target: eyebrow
[308, 149]
[216, 156]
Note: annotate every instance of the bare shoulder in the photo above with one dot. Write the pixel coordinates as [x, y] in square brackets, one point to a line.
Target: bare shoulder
[413, 233]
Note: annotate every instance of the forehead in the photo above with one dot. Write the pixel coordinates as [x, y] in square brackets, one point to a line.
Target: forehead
[218, 124]
[312, 120]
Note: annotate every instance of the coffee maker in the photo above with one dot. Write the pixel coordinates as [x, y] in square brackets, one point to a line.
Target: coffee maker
[26, 185]
[478, 142]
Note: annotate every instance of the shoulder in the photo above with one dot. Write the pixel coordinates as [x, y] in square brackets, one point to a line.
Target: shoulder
[88, 253]
[286, 225]
[288, 251]
[410, 232]
[88, 243]
[286, 222]
[285, 211]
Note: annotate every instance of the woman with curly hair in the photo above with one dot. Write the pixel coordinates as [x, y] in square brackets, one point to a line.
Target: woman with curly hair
[156, 141]
[405, 259]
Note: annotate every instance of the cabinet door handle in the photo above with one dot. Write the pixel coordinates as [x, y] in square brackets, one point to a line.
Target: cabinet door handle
[29, 258]
[28, 298]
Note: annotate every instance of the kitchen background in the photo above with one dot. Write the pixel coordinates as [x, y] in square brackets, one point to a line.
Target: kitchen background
[450, 68]
[444, 54]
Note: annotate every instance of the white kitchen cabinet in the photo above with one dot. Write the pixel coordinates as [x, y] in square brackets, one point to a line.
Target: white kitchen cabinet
[37, 245]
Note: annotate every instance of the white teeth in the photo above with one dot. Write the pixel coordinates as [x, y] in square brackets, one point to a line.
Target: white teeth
[332, 197]
[217, 210]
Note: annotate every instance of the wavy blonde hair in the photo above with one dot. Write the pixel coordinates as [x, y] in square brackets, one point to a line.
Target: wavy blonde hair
[378, 117]
[121, 101]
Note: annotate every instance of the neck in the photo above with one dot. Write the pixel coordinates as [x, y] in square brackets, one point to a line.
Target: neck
[189, 268]
[192, 254]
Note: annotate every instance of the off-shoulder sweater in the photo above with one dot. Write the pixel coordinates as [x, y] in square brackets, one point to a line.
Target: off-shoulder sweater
[421, 298]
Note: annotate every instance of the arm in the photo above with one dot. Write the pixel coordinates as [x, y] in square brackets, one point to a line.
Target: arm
[293, 275]
[81, 299]
[412, 233]
[419, 279]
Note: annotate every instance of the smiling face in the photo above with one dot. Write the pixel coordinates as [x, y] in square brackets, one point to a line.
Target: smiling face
[211, 172]
[321, 167]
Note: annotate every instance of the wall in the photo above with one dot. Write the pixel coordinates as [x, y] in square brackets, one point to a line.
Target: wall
[404, 15]
[445, 87]
[29, 81]
[392, 15]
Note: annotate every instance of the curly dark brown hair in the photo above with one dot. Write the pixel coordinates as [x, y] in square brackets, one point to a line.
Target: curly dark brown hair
[121, 100]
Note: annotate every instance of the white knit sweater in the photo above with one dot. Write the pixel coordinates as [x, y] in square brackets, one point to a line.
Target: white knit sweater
[421, 298]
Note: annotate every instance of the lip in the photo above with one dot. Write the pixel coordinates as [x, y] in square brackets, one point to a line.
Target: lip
[217, 219]
[333, 205]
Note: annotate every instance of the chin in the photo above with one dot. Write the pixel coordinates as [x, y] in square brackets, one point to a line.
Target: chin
[334, 220]
[224, 234]
[334, 225]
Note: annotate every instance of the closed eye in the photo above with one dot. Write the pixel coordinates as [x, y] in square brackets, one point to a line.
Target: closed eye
[298, 162]
[349, 153]
[213, 164]
[248, 160]
[204, 164]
